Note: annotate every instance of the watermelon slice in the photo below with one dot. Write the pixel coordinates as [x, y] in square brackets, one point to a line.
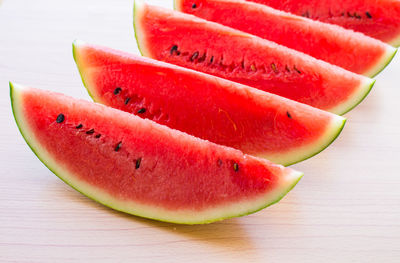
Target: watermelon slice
[140, 167]
[212, 48]
[206, 106]
[379, 19]
[350, 50]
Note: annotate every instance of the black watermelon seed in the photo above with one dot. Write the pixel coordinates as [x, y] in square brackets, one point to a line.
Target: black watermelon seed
[287, 68]
[288, 114]
[79, 126]
[97, 136]
[60, 118]
[235, 167]
[357, 16]
[298, 71]
[117, 91]
[194, 56]
[118, 146]
[368, 14]
[194, 6]
[349, 14]
[212, 59]
[127, 100]
[137, 164]
[91, 131]
[174, 48]
[219, 162]
[142, 110]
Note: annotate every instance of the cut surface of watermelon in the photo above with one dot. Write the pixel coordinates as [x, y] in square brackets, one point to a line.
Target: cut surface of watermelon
[208, 107]
[140, 167]
[209, 47]
[378, 19]
[345, 48]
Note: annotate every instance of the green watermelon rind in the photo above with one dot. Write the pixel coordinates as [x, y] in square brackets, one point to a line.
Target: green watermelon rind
[383, 63]
[27, 138]
[337, 128]
[137, 4]
[76, 43]
[364, 89]
[288, 182]
[395, 42]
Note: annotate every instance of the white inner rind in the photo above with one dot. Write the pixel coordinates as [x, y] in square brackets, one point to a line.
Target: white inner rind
[307, 151]
[153, 211]
[356, 97]
[386, 58]
[395, 42]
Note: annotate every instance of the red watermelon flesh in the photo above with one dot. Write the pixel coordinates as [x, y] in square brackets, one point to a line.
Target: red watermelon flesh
[195, 43]
[379, 19]
[206, 106]
[345, 48]
[140, 167]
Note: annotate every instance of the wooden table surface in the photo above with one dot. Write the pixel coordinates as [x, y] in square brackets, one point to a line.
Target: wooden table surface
[345, 209]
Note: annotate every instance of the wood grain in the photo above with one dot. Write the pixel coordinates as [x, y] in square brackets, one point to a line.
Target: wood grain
[345, 209]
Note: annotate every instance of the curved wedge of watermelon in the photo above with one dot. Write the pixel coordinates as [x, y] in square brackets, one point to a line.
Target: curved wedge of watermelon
[218, 50]
[140, 167]
[345, 48]
[224, 112]
[379, 19]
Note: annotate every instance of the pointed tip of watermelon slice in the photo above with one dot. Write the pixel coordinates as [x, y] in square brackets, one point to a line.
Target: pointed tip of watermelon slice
[76, 45]
[395, 42]
[288, 183]
[15, 89]
[138, 12]
[332, 132]
[12, 86]
[385, 60]
[356, 98]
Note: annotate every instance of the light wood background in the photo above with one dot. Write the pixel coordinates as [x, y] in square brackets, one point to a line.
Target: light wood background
[345, 209]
